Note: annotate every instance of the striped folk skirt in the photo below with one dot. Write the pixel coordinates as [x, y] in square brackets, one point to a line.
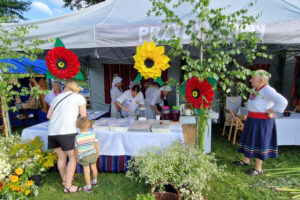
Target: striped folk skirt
[258, 139]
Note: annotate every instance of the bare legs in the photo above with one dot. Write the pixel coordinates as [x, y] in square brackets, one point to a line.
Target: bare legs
[61, 163]
[258, 163]
[66, 170]
[86, 171]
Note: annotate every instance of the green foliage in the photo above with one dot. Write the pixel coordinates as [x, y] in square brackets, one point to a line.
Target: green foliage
[222, 39]
[78, 4]
[25, 48]
[145, 197]
[187, 168]
[30, 157]
[13, 9]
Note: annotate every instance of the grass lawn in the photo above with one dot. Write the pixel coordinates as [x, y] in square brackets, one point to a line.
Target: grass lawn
[235, 184]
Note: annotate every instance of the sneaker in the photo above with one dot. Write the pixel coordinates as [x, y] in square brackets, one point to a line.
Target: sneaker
[87, 189]
[95, 183]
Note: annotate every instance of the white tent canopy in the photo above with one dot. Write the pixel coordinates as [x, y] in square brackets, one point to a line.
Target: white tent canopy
[100, 30]
[119, 23]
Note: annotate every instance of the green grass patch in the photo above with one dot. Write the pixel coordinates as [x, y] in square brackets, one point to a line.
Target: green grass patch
[235, 184]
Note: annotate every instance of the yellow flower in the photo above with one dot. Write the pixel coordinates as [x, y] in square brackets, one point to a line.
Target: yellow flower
[29, 183]
[19, 171]
[14, 178]
[27, 192]
[14, 188]
[150, 60]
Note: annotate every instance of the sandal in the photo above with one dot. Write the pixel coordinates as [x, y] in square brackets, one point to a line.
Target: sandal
[254, 172]
[68, 190]
[241, 163]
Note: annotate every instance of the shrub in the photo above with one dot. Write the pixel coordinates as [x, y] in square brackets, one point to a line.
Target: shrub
[187, 168]
[18, 162]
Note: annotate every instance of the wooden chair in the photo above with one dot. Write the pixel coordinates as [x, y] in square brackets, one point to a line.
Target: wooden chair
[239, 125]
[297, 108]
[232, 104]
[229, 118]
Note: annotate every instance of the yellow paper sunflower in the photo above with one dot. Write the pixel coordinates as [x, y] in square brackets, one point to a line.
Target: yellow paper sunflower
[150, 60]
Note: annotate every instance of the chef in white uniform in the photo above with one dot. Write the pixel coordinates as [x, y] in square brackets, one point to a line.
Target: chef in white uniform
[130, 101]
[115, 92]
[156, 96]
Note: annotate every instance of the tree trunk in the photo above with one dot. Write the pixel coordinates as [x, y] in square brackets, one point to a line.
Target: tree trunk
[4, 117]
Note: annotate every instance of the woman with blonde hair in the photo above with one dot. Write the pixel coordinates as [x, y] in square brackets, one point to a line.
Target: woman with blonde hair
[63, 114]
[258, 139]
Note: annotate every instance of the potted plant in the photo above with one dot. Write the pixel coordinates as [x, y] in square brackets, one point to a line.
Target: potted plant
[186, 168]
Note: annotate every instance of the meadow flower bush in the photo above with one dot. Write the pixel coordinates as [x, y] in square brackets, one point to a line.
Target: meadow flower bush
[187, 168]
[31, 157]
[18, 162]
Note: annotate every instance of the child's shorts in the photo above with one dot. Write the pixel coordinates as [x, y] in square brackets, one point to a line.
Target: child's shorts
[88, 159]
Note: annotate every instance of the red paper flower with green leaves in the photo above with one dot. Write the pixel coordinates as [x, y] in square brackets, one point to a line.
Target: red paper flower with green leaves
[199, 93]
[62, 63]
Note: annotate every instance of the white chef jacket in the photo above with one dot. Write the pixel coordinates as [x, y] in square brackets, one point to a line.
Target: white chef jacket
[153, 98]
[114, 94]
[131, 103]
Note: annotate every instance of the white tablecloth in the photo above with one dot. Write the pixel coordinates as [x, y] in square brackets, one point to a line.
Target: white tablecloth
[116, 143]
[42, 128]
[94, 114]
[288, 128]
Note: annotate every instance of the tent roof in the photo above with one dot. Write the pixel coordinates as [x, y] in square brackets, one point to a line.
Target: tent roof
[119, 23]
[38, 66]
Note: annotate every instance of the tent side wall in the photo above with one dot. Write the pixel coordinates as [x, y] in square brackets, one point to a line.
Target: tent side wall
[96, 78]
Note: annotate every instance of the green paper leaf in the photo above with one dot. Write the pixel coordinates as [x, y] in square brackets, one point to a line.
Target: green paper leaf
[212, 81]
[59, 43]
[49, 75]
[79, 76]
[138, 78]
[199, 111]
[182, 89]
[159, 81]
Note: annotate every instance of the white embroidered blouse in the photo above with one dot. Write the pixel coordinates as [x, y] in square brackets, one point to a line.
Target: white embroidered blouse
[268, 98]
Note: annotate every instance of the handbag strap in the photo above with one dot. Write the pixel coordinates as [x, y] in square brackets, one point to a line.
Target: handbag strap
[61, 101]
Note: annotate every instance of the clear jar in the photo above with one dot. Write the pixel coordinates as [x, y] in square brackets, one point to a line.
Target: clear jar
[165, 113]
[175, 114]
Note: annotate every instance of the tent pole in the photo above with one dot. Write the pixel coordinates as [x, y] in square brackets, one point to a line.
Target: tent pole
[4, 117]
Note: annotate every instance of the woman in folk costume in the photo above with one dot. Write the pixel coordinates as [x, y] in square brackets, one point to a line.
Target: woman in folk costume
[156, 96]
[258, 139]
[115, 92]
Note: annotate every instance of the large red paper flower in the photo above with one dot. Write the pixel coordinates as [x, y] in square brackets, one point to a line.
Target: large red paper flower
[199, 93]
[62, 63]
